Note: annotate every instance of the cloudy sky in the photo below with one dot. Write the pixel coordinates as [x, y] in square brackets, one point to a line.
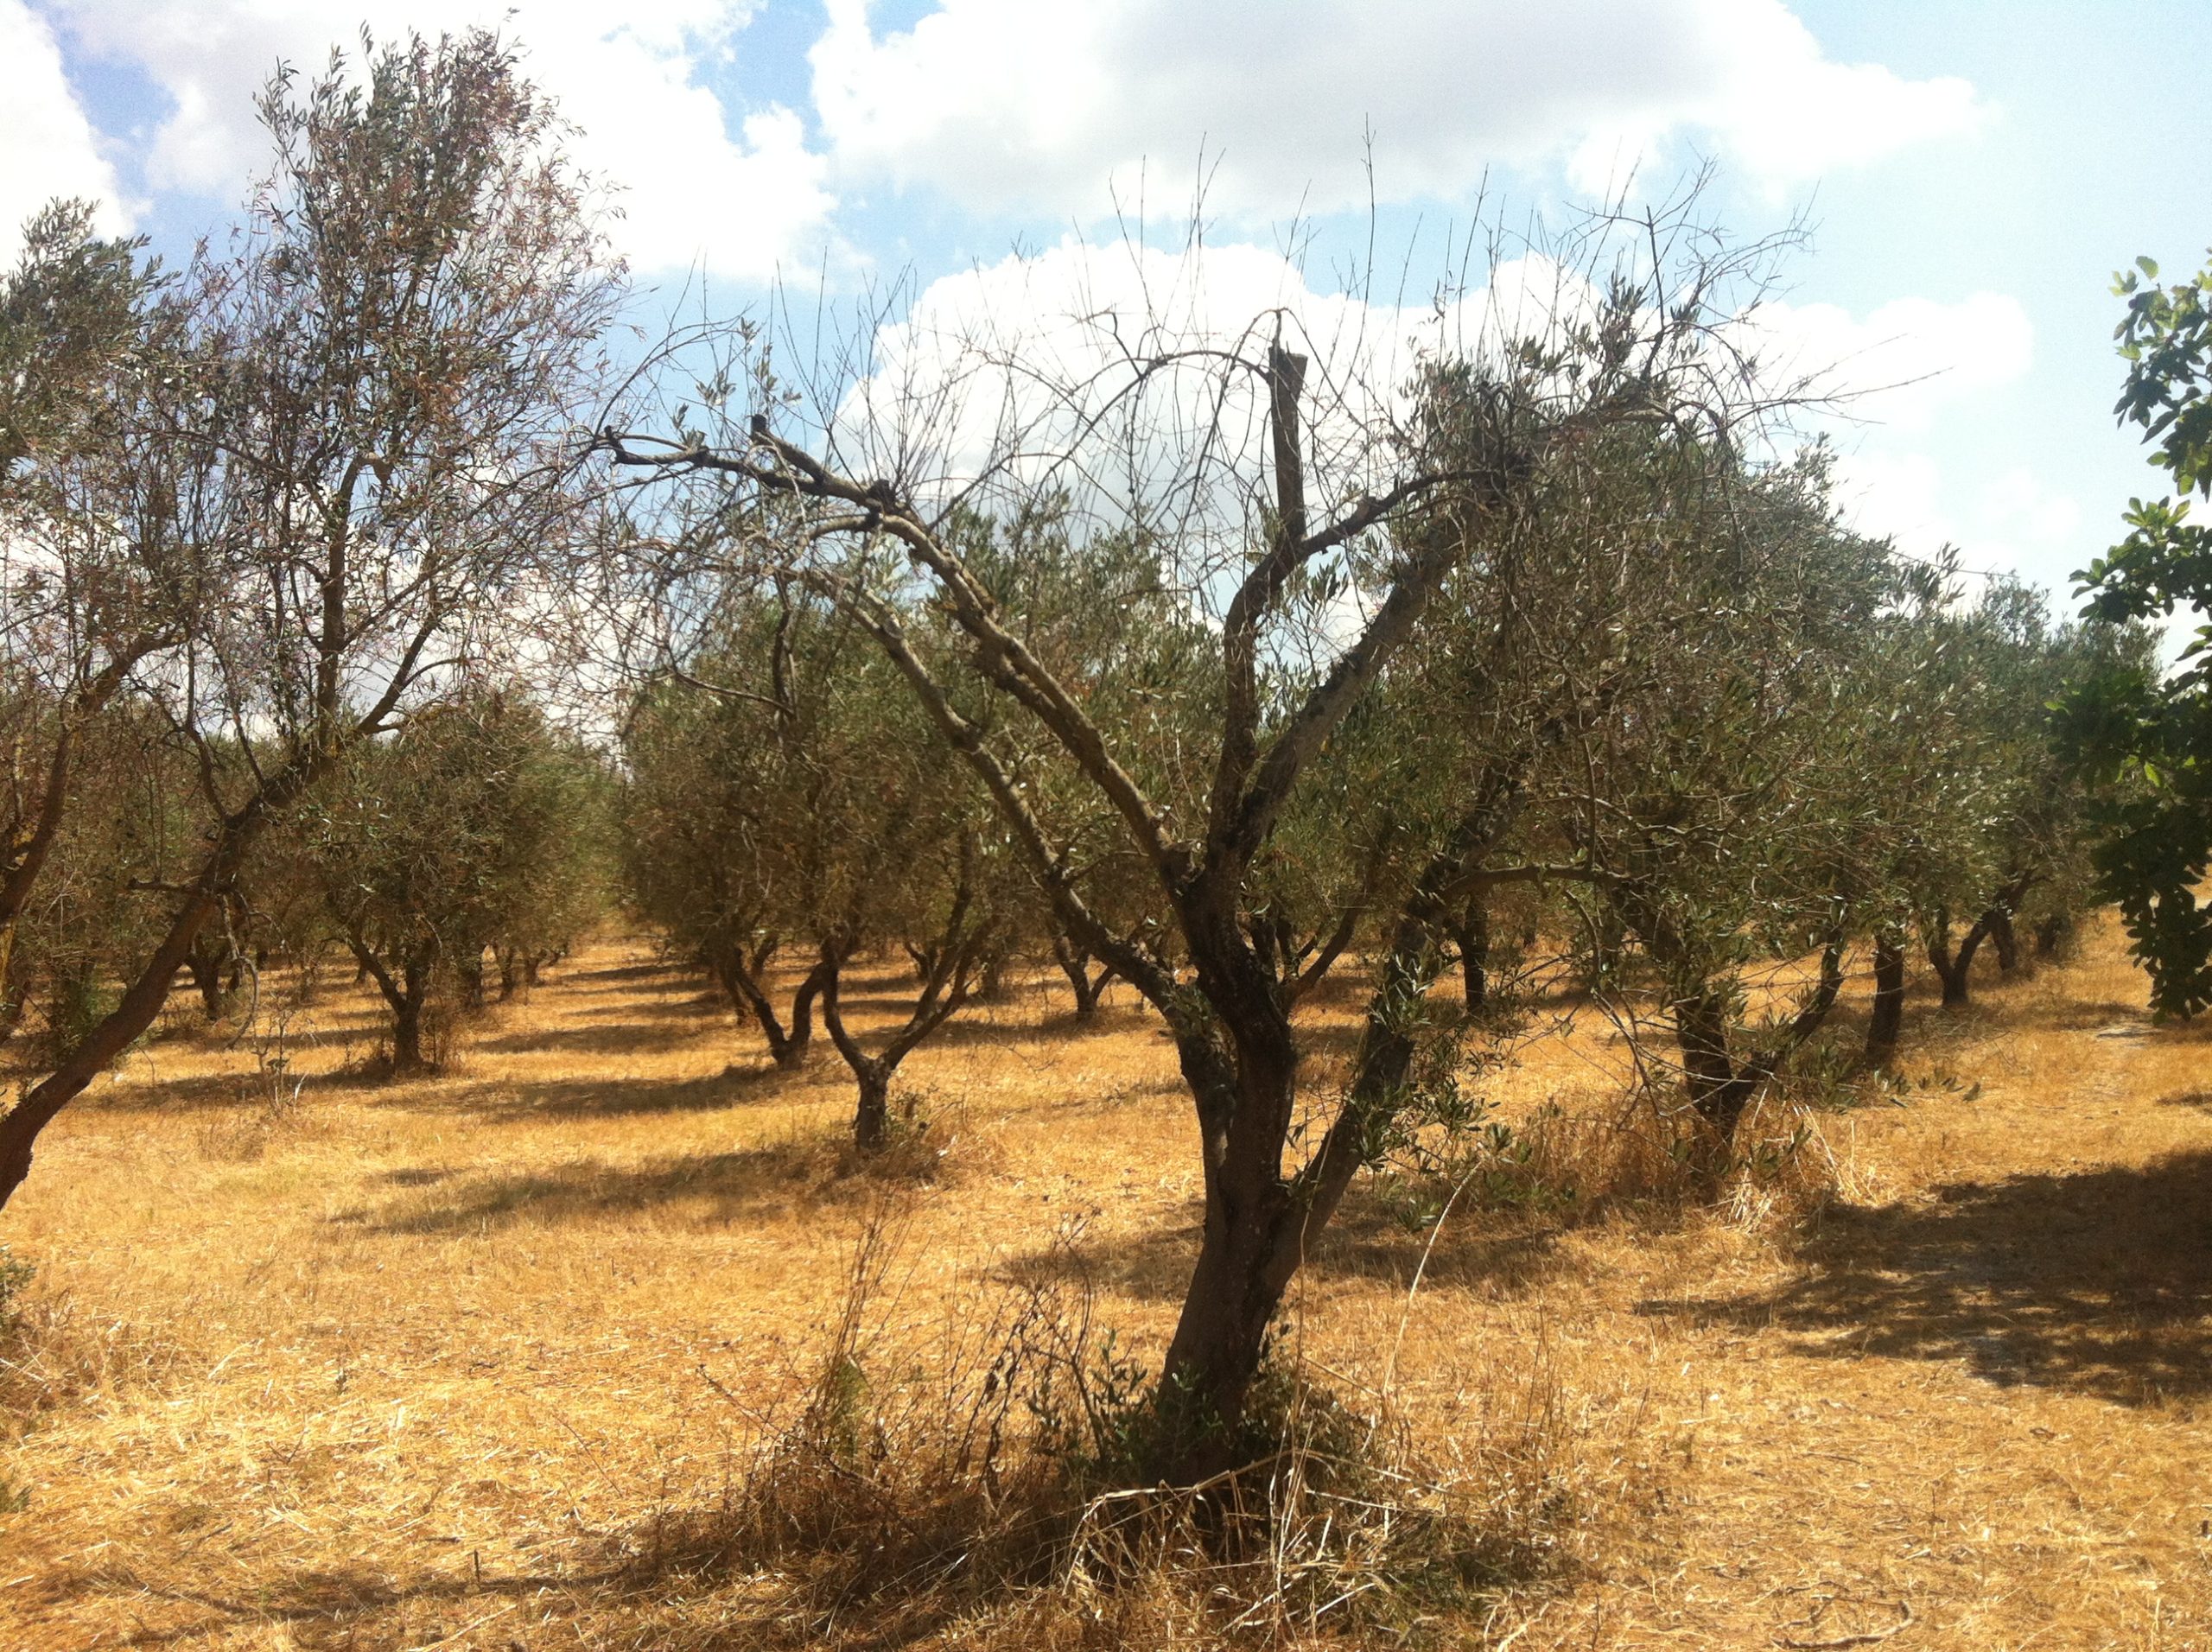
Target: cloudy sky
[1972, 172]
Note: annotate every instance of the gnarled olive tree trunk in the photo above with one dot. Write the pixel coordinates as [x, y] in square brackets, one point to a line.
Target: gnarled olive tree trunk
[404, 984]
[744, 981]
[1954, 965]
[1885, 1021]
[1074, 963]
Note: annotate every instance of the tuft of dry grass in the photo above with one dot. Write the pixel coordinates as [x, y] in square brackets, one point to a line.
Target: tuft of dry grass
[980, 1492]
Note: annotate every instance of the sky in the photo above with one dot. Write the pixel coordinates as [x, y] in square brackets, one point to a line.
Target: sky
[1968, 175]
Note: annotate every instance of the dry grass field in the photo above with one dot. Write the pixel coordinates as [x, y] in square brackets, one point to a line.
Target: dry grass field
[436, 1364]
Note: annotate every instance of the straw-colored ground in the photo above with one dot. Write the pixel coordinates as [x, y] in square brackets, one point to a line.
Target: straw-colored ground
[414, 1365]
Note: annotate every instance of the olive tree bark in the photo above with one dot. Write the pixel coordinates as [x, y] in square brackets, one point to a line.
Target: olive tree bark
[1998, 920]
[744, 979]
[2051, 933]
[1075, 961]
[1885, 1022]
[2004, 938]
[1470, 936]
[405, 987]
[210, 963]
[1953, 965]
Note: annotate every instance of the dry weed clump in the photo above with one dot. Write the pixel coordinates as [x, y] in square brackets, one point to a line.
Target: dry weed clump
[993, 1491]
[933, 1139]
[1636, 1157]
[52, 1353]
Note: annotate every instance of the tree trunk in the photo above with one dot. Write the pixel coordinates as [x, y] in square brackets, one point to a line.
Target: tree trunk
[1720, 1087]
[743, 982]
[800, 1038]
[207, 969]
[1470, 935]
[1220, 1339]
[1955, 968]
[2004, 939]
[405, 994]
[871, 1075]
[407, 1035]
[1248, 1251]
[1259, 1226]
[1886, 1020]
[1075, 965]
[1240, 1060]
[871, 1116]
[2050, 933]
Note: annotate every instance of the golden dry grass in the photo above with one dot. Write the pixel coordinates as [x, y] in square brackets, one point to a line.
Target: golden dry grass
[429, 1364]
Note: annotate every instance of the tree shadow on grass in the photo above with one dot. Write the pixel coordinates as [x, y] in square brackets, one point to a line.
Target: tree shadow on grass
[730, 1184]
[1475, 1252]
[533, 1102]
[2098, 1282]
[644, 969]
[1364, 1243]
[662, 1029]
[214, 1092]
[1061, 1020]
[325, 1608]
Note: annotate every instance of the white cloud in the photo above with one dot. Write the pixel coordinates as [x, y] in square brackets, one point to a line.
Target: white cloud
[1008, 104]
[1900, 364]
[943, 398]
[1916, 370]
[1895, 496]
[1019, 356]
[46, 146]
[2016, 522]
[629, 77]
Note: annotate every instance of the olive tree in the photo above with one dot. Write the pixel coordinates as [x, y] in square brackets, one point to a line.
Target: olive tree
[2018, 823]
[90, 575]
[354, 467]
[452, 836]
[1310, 509]
[1712, 793]
[786, 795]
[732, 792]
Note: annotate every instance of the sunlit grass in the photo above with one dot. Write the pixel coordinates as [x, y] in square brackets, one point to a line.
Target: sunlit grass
[416, 1364]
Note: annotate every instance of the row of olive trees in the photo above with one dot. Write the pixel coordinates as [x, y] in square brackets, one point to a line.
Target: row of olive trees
[1220, 662]
[1821, 747]
[473, 841]
[1309, 678]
